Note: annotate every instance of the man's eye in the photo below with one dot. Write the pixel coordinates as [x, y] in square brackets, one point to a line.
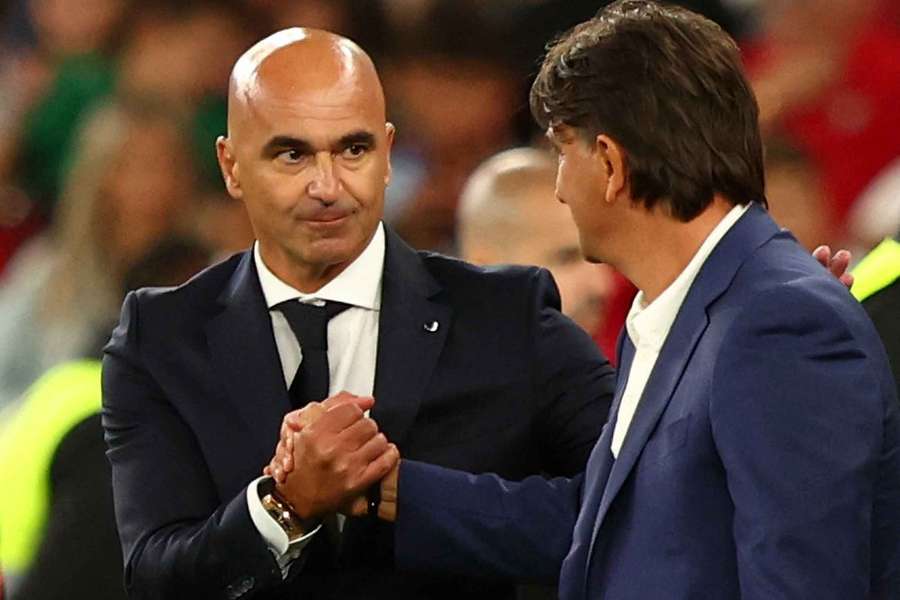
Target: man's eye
[290, 156]
[355, 150]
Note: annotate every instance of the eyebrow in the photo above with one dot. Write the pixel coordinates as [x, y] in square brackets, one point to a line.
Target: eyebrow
[280, 143]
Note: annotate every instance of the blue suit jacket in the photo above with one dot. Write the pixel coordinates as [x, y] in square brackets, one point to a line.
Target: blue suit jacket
[194, 396]
[763, 460]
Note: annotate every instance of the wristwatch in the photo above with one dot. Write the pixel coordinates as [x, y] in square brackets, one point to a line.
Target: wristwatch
[283, 513]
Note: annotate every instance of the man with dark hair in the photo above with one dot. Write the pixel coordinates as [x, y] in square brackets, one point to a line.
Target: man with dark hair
[753, 446]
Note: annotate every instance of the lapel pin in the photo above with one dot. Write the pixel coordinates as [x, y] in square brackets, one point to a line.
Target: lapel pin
[431, 327]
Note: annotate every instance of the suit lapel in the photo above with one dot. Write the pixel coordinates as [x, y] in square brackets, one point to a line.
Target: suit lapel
[601, 461]
[245, 358]
[748, 234]
[412, 328]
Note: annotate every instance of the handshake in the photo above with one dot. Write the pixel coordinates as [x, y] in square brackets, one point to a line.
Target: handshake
[329, 453]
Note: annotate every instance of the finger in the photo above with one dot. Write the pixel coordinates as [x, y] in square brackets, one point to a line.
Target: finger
[363, 402]
[289, 459]
[341, 397]
[357, 434]
[847, 280]
[371, 450]
[287, 428]
[823, 255]
[358, 507]
[379, 468]
[278, 459]
[267, 470]
[298, 419]
[337, 419]
[839, 263]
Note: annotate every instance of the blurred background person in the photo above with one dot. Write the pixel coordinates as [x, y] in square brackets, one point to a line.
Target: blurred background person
[796, 194]
[509, 215]
[452, 86]
[55, 66]
[876, 215]
[877, 286]
[827, 72]
[57, 525]
[64, 58]
[131, 184]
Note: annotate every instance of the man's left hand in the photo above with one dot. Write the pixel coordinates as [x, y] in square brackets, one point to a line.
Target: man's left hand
[836, 264]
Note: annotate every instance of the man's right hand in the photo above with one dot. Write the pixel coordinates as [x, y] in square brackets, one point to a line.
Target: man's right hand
[336, 456]
[282, 461]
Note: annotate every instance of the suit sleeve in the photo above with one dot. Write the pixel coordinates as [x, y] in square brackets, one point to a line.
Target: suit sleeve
[178, 539]
[796, 411]
[483, 526]
[574, 383]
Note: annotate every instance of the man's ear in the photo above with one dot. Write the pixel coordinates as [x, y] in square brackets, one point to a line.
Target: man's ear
[612, 157]
[229, 167]
[389, 130]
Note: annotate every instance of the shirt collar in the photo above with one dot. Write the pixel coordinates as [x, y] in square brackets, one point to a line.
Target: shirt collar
[357, 285]
[648, 325]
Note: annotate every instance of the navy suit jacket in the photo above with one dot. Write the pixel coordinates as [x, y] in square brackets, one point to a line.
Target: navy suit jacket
[194, 397]
[763, 460]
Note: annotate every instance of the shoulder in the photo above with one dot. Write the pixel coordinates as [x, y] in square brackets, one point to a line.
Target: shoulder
[784, 310]
[460, 278]
[197, 295]
[782, 284]
[155, 311]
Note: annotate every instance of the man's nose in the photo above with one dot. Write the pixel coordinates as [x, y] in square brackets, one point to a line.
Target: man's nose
[325, 184]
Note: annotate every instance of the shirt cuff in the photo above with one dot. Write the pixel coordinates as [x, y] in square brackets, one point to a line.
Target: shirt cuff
[272, 533]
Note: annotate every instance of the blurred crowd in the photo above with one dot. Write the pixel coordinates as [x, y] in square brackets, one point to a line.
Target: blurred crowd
[109, 110]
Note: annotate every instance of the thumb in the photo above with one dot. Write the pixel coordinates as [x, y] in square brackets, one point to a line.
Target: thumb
[363, 402]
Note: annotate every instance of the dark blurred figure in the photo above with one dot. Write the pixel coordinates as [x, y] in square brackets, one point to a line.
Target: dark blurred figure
[452, 82]
[545, 20]
[877, 286]
[57, 526]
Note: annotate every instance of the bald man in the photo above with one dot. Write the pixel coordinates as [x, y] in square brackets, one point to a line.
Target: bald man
[470, 368]
[508, 215]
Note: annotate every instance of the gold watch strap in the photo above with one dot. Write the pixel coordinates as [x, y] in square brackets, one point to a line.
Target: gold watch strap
[283, 513]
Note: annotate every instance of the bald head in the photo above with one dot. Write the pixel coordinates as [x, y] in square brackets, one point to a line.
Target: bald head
[306, 65]
[501, 201]
[509, 214]
[308, 152]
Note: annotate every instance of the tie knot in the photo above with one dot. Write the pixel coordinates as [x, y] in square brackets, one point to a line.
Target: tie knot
[310, 322]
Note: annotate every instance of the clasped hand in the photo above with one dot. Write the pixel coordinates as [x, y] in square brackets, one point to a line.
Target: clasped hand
[329, 454]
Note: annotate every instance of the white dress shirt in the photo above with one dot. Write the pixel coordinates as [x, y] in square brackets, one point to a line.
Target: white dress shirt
[649, 325]
[352, 352]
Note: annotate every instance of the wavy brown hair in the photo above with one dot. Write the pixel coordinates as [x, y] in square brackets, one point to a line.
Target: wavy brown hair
[668, 86]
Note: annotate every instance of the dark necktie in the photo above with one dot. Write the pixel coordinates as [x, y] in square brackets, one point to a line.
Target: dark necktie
[310, 324]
